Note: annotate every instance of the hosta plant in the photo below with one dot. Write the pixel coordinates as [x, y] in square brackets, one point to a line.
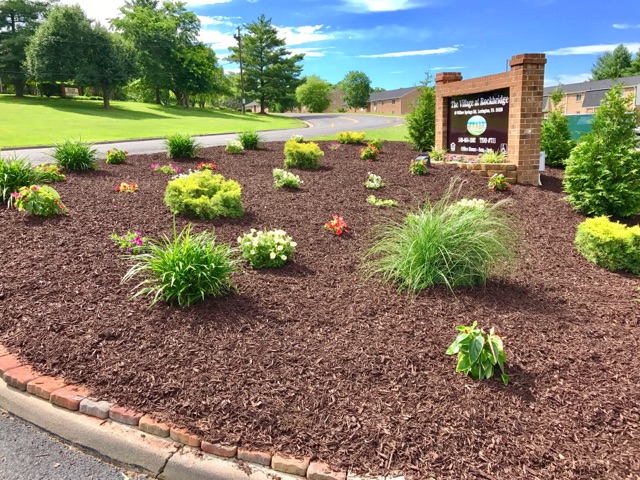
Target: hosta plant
[130, 242]
[378, 202]
[418, 167]
[337, 225]
[116, 157]
[234, 147]
[374, 182]
[266, 249]
[478, 352]
[42, 201]
[497, 183]
[282, 178]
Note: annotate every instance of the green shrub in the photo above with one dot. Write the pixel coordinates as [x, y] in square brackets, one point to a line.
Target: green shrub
[264, 249]
[418, 167]
[234, 147]
[555, 139]
[421, 122]
[602, 176]
[116, 156]
[41, 201]
[351, 137]
[184, 269]
[15, 172]
[455, 244]
[250, 139]
[282, 178]
[378, 202]
[48, 173]
[611, 245]
[497, 183]
[489, 156]
[376, 143]
[302, 155]
[75, 155]
[369, 153]
[204, 195]
[181, 146]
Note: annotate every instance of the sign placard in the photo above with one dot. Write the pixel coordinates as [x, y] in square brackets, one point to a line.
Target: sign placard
[478, 122]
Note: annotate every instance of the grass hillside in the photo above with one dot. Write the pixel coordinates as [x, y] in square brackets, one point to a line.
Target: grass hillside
[390, 134]
[33, 121]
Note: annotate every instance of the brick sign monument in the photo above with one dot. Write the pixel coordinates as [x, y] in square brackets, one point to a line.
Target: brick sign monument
[501, 112]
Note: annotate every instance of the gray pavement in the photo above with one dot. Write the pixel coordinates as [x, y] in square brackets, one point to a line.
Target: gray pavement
[318, 124]
[27, 453]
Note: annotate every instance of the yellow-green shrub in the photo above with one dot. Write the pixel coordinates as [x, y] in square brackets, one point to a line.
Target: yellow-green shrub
[204, 195]
[351, 137]
[611, 245]
[302, 155]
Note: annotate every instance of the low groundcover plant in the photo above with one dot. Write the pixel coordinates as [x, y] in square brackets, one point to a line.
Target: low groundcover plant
[282, 178]
[497, 183]
[48, 173]
[42, 201]
[418, 167]
[234, 147]
[125, 187]
[206, 166]
[369, 153]
[266, 249]
[373, 182]
[478, 352]
[116, 157]
[131, 242]
[337, 226]
[168, 169]
[378, 202]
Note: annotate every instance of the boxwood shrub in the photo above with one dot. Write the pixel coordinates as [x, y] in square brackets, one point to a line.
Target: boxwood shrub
[204, 195]
[611, 245]
[302, 155]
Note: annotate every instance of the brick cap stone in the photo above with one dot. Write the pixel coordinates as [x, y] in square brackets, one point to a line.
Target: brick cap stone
[255, 456]
[19, 377]
[535, 58]
[125, 415]
[183, 436]
[3, 351]
[226, 451]
[8, 362]
[95, 408]
[152, 427]
[43, 387]
[322, 471]
[69, 397]
[288, 464]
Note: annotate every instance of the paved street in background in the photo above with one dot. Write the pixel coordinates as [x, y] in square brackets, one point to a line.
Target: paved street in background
[319, 124]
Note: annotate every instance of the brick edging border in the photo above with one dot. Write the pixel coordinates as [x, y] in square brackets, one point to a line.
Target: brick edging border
[23, 377]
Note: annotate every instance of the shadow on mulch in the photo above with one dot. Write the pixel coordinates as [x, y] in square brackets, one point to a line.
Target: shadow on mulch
[551, 183]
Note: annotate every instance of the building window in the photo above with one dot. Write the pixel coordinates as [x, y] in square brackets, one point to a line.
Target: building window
[375, 104]
[393, 102]
[382, 102]
[578, 97]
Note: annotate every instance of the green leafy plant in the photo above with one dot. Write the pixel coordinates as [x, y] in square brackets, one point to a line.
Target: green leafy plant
[166, 169]
[378, 202]
[489, 156]
[611, 245]
[234, 147]
[351, 137]
[266, 249]
[131, 242]
[421, 122]
[438, 154]
[184, 269]
[41, 201]
[497, 183]
[48, 173]
[478, 352]
[282, 178]
[181, 146]
[116, 157]
[369, 153]
[297, 138]
[204, 195]
[602, 176]
[334, 146]
[455, 244]
[418, 167]
[302, 155]
[374, 182]
[555, 139]
[15, 172]
[375, 143]
[250, 139]
[75, 155]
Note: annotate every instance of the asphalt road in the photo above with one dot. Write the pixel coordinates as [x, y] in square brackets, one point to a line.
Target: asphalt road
[318, 124]
[27, 453]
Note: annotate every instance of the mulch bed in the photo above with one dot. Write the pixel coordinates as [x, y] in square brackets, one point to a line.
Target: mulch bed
[316, 359]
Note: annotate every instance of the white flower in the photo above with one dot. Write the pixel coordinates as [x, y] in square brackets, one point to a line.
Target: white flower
[253, 252]
[239, 239]
[280, 248]
[272, 255]
[293, 244]
[283, 257]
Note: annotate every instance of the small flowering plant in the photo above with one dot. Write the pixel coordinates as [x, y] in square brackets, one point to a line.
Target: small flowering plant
[497, 183]
[168, 169]
[369, 153]
[116, 157]
[379, 202]
[478, 352]
[337, 226]
[206, 166]
[282, 178]
[266, 249]
[297, 138]
[334, 146]
[471, 203]
[42, 201]
[376, 143]
[418, 167]
[374, 182]
[131, 242]
[125, 187]
[234, 147]
[48, 173]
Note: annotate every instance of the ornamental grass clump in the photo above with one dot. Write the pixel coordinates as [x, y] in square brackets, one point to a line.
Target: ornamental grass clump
[15, 172]
[75, 155]
[351, 137]
[284, 179]
[454, 244]
[184, 269]
[266, 249]
[204, 195]
[302, 155]
[181, 146]
[40, 201]
[250, 139]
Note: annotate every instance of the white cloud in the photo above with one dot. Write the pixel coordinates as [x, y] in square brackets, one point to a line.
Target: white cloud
[304, 34]
[591, 49]
[433, 51]
[101, 11]
[624, 26]
[567, 79]
[206, 21]
[217, 40]
[366, 6]
[308, 52]
[201, 3]
[383, 32]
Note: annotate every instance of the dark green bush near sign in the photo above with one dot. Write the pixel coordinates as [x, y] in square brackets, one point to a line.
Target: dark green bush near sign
[421, 123]
[204, 195]
[555, 137]
[611, 245]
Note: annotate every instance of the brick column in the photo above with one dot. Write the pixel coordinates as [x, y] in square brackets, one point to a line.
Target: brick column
[442, 107]
[525, 114]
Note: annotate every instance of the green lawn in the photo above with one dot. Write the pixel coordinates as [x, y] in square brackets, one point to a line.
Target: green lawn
[34, 121]
[390, 134]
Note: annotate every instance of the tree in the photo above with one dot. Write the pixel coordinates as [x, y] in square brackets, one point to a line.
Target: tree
[271, 72]
[612, 65]
[421, 122]
[555, 139]
[18, 22]
[197, 73]
[603, 172]
[314, 93]
[356, 88]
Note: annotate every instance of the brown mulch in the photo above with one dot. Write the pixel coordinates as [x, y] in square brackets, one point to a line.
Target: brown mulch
[315, 359]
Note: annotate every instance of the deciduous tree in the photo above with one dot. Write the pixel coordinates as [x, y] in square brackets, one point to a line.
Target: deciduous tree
[615, 64]
[356, 89]
[315, 94]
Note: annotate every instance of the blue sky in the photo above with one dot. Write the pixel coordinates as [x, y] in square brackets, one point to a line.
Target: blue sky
[395, 42]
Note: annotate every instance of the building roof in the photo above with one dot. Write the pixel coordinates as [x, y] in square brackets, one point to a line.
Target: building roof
[252, 104]
[595, 85]
[390, 94]
[593, 98]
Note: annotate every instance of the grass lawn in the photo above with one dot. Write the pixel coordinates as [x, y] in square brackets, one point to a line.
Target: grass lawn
[389, 134]
[33, 121]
